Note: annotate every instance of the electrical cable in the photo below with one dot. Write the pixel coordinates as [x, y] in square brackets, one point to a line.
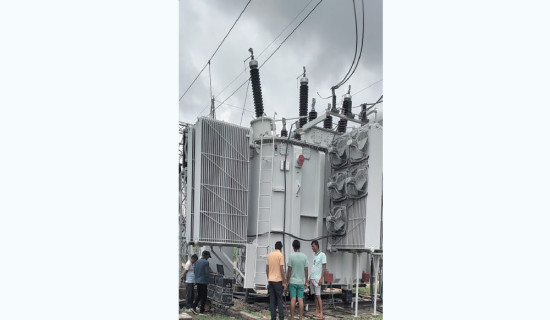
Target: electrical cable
[372, 104]
[232, 81]
[290, 235]
[210, 77]
[216, 49]
[355, 54]
[267, 58]
[362, 39]
[288, 25]
[244, 105]
[291, 33]
[284, 202]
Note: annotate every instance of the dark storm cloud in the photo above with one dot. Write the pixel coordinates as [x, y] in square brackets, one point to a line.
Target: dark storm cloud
[324, 43]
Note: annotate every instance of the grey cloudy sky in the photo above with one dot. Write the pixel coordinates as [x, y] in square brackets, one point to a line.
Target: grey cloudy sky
[324, 44]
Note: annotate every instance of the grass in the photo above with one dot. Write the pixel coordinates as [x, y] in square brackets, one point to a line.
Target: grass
[254, 313]
[371, 317]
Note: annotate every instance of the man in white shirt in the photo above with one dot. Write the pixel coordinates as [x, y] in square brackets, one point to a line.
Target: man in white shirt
[189, 281]
[317, 276]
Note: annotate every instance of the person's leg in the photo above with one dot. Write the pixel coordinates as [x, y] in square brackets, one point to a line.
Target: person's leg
[301, 304]
[203, 293]
[272, 300]
[279, 290]
[300, 296]
[320, 305]
[312, 287]
[292, 292]
[197, 298]
[292, 305]
[189, 295]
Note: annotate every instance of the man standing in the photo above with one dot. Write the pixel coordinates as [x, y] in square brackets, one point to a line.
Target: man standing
[276, 279]
[189, 280]
[202, 278]
[317, 277]
[296, 277]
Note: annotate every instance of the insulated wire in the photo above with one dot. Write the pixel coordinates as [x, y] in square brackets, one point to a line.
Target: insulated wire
[244, 105]
[267, 58]
[354, 56]
[216, 49]
[299, 24]
[288, 25]
[362, 39]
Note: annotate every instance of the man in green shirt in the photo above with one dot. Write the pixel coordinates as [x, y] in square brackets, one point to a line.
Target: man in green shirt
[296, 277]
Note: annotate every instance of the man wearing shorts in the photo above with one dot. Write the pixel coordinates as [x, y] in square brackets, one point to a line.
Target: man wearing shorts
[296, 276]
[317, 277]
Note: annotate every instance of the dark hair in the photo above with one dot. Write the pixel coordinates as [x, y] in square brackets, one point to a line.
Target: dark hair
[278, 245]
[206, 254]
[315, 242]
[195, 257]
[296, 244]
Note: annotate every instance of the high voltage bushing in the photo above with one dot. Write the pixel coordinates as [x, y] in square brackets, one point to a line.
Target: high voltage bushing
[297, 135]
[303, 99]
[256, 86]
[346, 110]
[312, 113]
[284, 132]
[363, 114]
[327, 124]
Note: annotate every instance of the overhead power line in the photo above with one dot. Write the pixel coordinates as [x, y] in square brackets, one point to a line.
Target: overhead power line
[288, 25]
[348, 75]
[269, 55]
[216, 49]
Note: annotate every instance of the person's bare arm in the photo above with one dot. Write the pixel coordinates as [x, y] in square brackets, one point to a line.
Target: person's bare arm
[323, 273]
[288, 272]
[305, 269]
[283, 275]
[267, 270]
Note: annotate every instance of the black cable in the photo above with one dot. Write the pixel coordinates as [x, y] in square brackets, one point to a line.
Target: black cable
[244, 105]
[355, 54]
[291, 33]
[362, 39]
[288, 25]
[367, 87]
[290, 235]
[210, 77]
[284, 203]
[267, 58]
[216, 49]
[372, 104]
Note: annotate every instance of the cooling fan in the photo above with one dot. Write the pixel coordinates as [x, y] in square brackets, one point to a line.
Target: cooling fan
[337, 221]
[359, 146]
[356, 184]
[338, 152]
[336, 187]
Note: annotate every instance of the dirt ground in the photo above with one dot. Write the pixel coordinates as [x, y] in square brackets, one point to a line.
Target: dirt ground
[240, 310]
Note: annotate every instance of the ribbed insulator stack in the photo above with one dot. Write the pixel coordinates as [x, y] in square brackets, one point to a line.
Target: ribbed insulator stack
[312, 113]
[297, 136]
[346, 110]
[284, 132]
[256, 88]
[304, 88]
[363, 114]
[327, 124]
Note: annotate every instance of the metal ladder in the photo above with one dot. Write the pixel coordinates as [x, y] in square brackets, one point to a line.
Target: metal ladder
[265, 201]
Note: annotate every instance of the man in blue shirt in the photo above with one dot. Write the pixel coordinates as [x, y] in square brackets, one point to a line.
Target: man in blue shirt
[202, 278]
